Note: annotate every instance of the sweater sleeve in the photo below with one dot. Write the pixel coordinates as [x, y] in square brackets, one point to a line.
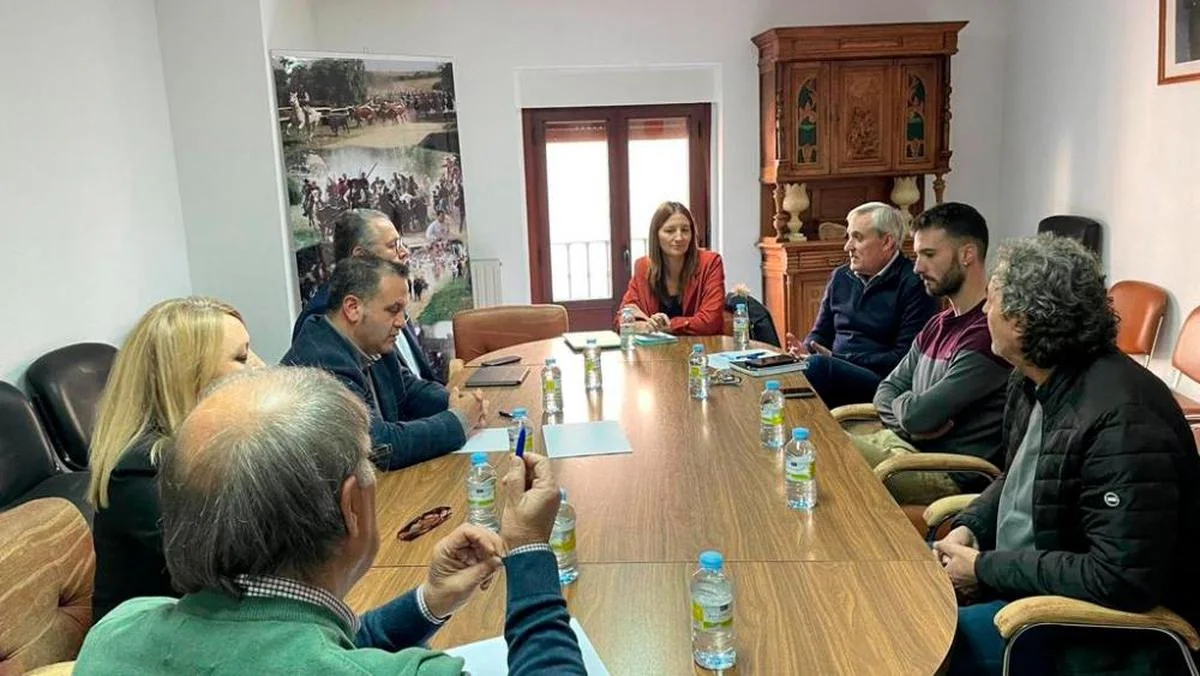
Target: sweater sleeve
[898, 383]
[709, 317]
[422, 398]
[1129, 503]
[970, 377]
[538, 629]
[916, 307]
[823, 331]
[394, 626]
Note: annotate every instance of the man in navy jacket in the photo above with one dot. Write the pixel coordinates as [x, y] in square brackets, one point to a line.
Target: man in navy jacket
[873, 308]
[366, 232]
[355, 340]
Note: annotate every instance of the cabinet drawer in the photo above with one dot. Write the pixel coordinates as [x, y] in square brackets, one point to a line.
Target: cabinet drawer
[819, 261]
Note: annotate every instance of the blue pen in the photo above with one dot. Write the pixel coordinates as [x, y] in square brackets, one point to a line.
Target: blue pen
[752, 355]
[521, 443]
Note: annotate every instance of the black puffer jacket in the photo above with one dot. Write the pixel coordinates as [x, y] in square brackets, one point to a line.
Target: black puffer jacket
[1116, 500]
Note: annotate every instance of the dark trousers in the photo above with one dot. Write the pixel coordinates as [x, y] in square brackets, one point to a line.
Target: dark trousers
[838, 382]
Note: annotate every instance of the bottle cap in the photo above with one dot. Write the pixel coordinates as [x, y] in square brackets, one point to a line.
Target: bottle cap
[711, 560]
[772, 385]
[520, 413]
[551, 361]
[591, 341]
[741, 306]
[800, 433]
[479, 458]
[562, 493]
[697, 348]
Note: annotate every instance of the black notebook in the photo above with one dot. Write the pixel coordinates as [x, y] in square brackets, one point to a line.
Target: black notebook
[498, 376]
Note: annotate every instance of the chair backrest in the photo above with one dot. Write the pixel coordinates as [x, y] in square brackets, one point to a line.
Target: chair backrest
[478, 332]
[1186, 357]
[1140, 306]
[26, 456]
[1083, 229]
[46, 568]
[65, 387]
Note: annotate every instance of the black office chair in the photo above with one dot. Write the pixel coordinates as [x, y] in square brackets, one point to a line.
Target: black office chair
[28, 469]
[1086, 230]
[65, 387]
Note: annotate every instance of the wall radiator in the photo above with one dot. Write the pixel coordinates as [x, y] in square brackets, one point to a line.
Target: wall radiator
[485, 282]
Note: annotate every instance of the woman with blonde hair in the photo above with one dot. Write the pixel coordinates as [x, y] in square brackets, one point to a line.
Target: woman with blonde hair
[678, 287]
[176, 350]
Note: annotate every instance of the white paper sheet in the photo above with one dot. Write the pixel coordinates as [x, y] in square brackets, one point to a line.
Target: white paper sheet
[490, 657]
[591, 438]
[488, 440]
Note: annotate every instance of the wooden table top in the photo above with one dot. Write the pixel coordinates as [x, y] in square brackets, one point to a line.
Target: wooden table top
[839, 590]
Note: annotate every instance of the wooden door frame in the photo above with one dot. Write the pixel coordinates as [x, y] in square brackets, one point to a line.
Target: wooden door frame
[616, 118]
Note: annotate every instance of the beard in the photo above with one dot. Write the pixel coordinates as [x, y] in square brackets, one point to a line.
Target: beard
[948, 285]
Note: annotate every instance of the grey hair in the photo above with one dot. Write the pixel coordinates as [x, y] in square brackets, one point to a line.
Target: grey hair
[1052, 287]
[885, 219]
[350, 230]
[260, 492]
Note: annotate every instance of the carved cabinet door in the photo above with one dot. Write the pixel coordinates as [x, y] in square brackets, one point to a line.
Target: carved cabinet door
[862, 95]
[807, 118]
[918, 113]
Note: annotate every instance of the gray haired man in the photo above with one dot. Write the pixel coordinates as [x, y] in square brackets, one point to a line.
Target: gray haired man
[269, 520]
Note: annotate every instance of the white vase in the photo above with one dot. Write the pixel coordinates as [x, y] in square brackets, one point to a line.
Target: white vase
[795, 201]
[905, 194]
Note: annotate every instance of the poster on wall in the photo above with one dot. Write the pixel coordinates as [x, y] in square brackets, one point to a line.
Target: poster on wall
[378, 132]
[1178, 41]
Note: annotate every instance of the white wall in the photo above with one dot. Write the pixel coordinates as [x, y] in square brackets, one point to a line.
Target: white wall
[1088, 131]
[490, 42]
[223, 120]
[90, 226]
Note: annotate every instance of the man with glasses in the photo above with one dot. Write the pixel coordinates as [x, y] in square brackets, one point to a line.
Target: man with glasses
[358, 233]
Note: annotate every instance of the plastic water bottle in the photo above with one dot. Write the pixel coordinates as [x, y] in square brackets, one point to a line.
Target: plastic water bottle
[772, 417]
[481, 493]
[627, 322]
[741, 327]
[800, 471]
[562, 540]
[592, 379]
[712, 614]
[520, 420]
[698, 373]
[552, 396]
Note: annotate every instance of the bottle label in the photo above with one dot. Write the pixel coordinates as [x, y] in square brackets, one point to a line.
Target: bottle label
[772, 416]
[562, 543]
[512, 440]
[550, 385]
[710, 617]
[481, 497]
[590, 366]
[695, 371]
[799, 469]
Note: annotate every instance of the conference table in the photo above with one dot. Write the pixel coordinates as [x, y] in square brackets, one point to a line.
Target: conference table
[848, 588]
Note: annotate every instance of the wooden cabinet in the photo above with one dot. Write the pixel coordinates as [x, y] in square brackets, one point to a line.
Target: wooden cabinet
[847, 111]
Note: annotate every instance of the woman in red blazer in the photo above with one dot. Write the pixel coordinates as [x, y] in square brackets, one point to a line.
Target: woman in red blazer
[679, 288]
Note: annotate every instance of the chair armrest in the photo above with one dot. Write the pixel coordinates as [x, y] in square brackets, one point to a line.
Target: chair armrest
[456, 365]
[855, 412]
[934, 462]
[1036, 610]
[945, 508]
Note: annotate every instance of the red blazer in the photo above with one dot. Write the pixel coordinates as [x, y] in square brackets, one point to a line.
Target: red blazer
[703, 299]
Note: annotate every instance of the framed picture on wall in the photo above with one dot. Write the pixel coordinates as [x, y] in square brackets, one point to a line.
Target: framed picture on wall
[1178, 41]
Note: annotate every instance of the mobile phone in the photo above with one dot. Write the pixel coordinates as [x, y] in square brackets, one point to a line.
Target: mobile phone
[797, 392]
[501, 361]
[768, 362]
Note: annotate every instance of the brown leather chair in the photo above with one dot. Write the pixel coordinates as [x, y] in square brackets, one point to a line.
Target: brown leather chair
[1186, 362]
[46, 570]
[1140, 306]
[864, 418]
[478, 332]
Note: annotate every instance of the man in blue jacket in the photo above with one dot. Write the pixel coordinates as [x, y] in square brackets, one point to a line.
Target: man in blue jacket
[873, 308]
[355, 340]
[358, 233]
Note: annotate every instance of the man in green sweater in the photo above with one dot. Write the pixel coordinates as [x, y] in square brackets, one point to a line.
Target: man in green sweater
[268, 501]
